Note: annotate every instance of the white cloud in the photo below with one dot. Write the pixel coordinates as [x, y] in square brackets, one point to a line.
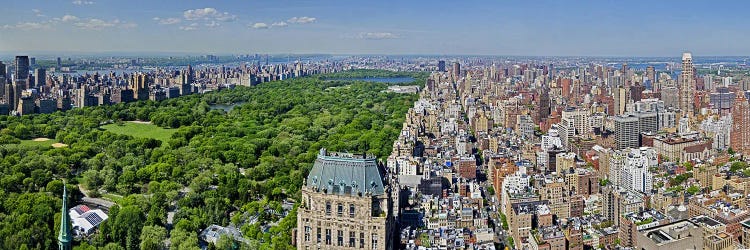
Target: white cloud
[377, 35]
[81, 2]
[212, 24]
[74, 21]
[28, 26]
[38, 12]
[96, 24]
[259, 26]
[126, 25]
[208, 14]
[192, 26]
[167, 21]
[279, 24]
[301, 20]
[69, 18]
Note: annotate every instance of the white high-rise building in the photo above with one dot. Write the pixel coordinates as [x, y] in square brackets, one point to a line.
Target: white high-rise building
[516, 182]
[718, 130]
[635, 174]
[551, 139]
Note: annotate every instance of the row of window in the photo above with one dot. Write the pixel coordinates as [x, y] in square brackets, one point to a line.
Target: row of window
[340, 209]
[340, 238]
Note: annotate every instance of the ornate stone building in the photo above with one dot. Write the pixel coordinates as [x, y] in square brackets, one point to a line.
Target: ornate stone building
[346, 204]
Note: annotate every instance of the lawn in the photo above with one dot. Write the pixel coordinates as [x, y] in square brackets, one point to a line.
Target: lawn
[38, 142]
[140, 129]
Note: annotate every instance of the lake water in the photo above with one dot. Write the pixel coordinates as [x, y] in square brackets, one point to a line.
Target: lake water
[225, 107]
[400, 79]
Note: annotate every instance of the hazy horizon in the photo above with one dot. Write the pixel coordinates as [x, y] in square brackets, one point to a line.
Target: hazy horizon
[539, 28]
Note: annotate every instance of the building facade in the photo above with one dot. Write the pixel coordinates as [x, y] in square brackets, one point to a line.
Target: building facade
[346, 204]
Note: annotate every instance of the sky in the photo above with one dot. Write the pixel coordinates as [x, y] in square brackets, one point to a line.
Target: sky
[466, 27]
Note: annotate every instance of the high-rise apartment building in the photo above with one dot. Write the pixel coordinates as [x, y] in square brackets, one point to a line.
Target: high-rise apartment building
[687, 85]
[621, 99]
[627, 132]
[635, 173]
[651, 75]
[740, 134]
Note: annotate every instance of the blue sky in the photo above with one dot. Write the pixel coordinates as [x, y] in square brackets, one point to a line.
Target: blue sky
[588, 28]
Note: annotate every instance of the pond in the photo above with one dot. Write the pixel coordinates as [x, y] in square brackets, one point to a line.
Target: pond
[225, 107]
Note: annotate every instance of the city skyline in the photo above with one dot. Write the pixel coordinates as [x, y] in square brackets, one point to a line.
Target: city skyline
[543, 28]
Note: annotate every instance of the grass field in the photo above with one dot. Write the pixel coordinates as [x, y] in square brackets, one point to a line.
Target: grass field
[46, 143]
[139, 129]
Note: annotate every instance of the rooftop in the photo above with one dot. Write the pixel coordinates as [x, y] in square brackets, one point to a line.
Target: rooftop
[344, 173]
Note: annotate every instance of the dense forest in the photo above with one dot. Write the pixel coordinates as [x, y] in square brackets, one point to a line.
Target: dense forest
[237, 167]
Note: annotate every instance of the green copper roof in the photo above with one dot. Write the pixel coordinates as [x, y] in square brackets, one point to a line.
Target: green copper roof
[64, 237]
[346, 174]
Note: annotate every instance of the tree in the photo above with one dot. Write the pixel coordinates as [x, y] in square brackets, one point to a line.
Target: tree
[693, 189]
[153, 237]
[112, 246]
[183, 240]
[737, 166]
[127, 226]
[225, 242]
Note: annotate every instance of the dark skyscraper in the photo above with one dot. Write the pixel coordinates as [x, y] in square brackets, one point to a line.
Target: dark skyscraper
[59, 63]
[456, 69]
[544, 103]
[2, 69]
[441, 66]
[22, 68]
[651, 74]
[40, 77]
[551, 71]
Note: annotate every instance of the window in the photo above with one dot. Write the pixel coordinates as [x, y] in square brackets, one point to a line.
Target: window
[328, 208]
[374, 241]
[340, 238]
[340, 209]
[307, 233]
[361, 240]
[328, 236]
[319, 235]
[351, 210]
[351, 239]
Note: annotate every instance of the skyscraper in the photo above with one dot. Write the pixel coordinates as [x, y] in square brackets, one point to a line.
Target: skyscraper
[544, 103]
[59, 63]
[635, 173]
[456, 69]
[441, 66]
[40, 77]
[651, 75]
[2, 69]
[621, 99]
[740, 134]
[627, 132]
[687, 84]
[64, 238]
[22, 68]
